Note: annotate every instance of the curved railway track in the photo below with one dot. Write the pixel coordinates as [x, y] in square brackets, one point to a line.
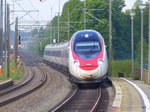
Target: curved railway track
[81, 100]
[84, 100]
[27, 79]
[36, 78]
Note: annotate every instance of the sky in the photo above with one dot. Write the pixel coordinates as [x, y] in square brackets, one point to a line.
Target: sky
[42, 10]
[129, 3]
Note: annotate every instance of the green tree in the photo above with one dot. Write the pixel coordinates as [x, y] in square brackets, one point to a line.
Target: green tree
[120, 23]
[34, 32]
[137, 3]
[138, 52]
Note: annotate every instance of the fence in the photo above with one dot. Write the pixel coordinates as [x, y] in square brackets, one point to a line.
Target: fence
[137, 72]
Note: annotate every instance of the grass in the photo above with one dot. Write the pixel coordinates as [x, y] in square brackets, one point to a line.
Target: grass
[14, 73]
[123, 66]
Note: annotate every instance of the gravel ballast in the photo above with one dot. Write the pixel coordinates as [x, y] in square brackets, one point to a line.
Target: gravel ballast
[53, 92]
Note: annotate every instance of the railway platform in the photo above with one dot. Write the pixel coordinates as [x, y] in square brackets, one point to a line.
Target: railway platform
[131, 96]
[5, 84]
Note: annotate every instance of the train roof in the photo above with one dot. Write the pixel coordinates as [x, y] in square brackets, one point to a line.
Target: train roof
[57, 44]
[65, 43]
[87, 31]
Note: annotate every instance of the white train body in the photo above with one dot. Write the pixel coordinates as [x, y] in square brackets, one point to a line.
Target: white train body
[84, 55]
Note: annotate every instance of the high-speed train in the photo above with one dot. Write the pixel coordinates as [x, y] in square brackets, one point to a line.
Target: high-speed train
[84, 56]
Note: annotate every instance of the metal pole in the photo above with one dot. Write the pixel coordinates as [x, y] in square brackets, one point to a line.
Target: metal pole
[59, 7]
[40, 46]
[59, 22]
[51, 27]
[8, 41]
[13, 10]
[110, 37]
[58, 27]
[68, 25]
[132, 49]
[5, 45]
[149, 49]
[1, 33]
[84, 14]
[142, 44]
[132, 14]
[54, 39]
[16, 42]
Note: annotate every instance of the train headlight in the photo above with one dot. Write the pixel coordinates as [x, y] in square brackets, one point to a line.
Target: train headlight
[76, 63]
[100, 62]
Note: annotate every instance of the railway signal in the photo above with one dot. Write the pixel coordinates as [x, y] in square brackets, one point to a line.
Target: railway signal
[19, 39]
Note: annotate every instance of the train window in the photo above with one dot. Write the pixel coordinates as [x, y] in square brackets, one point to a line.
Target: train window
[87, 47]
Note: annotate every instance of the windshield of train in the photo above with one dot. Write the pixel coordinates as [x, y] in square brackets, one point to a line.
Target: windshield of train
[87, 47]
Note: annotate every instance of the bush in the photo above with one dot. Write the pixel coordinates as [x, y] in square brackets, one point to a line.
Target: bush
[123, 66]
[14, 73]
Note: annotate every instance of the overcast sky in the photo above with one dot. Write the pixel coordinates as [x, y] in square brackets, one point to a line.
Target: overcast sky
[44, 8]
[129, 3]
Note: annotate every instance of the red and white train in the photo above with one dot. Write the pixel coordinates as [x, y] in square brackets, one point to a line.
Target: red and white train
[84, 56]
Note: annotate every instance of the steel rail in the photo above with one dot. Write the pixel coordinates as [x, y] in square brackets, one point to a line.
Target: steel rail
[69, 103]
[4, 100]
[24, 83]
[66, 101]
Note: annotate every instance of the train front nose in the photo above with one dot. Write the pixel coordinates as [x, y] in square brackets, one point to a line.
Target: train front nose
[86, 50]
[88, 72]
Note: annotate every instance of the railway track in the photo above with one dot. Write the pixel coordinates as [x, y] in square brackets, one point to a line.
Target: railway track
[36, 78]
[28, 78]
[81, 100]
[85, 100]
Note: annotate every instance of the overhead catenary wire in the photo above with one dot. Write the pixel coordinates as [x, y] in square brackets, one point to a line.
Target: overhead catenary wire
[24, 10]
[28, 13]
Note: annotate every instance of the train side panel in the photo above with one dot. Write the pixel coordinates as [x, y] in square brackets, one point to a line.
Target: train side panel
[57, 54]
